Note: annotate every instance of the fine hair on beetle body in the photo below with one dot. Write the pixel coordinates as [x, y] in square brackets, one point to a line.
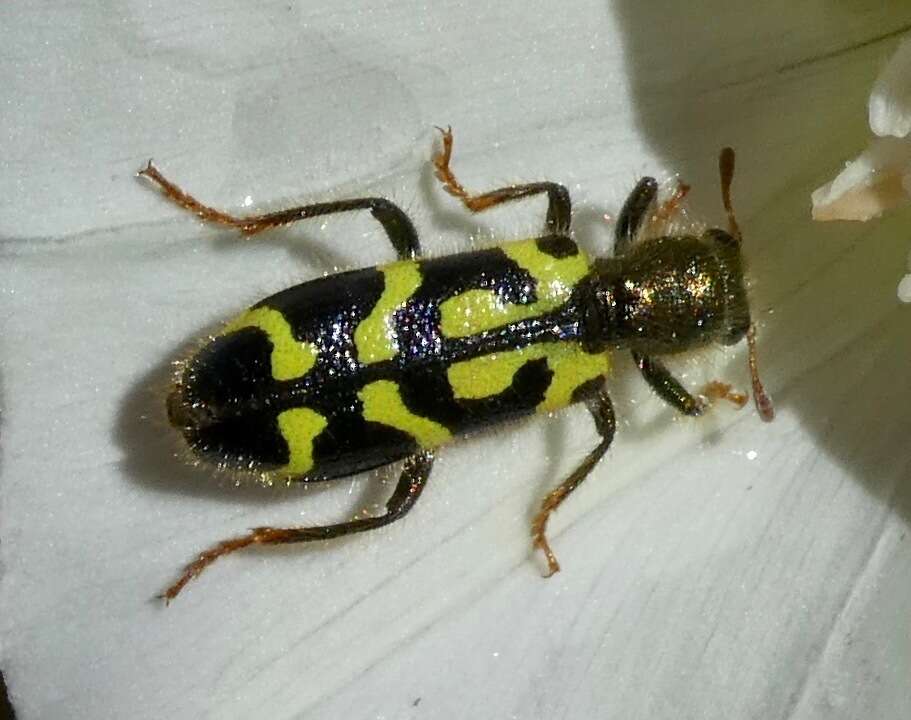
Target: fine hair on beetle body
[378, 365]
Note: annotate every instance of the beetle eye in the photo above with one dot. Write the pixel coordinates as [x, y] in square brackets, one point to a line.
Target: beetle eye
[722, 238]
[735, 334]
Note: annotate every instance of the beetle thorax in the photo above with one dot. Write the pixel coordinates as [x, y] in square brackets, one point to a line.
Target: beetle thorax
[668, 295]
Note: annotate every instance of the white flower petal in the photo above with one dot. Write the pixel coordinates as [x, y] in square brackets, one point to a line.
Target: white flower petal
[874, 182]
[880, 178]
[904, 287]
[890, 100]
[697, 583]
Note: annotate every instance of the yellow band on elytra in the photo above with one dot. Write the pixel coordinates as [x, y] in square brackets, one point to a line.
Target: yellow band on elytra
[300, 427]
[291, 358]
[374, 336]
[383, 404]
[475, 311]
[491, 375]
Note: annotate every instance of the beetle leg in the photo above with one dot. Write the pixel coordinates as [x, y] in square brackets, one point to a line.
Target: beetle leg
[666, 211]
[395, 222]
[602, 411]
[408, 489]
[717, 390]
[559, 206]
[669, 389]
[633, 213]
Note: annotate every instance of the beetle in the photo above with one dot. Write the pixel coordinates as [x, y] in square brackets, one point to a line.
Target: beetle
[357, 370]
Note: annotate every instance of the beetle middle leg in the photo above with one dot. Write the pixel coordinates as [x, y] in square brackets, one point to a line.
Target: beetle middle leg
[407, 491]
[395, 222]
[559, 205]
[599, 404]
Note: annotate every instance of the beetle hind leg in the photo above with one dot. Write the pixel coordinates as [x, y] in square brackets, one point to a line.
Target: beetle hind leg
[407, 491]
[399, 228]
[180, 197]
[602, 411]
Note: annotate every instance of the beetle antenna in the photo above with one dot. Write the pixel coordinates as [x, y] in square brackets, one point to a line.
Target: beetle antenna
[760, 397]
[726, 167]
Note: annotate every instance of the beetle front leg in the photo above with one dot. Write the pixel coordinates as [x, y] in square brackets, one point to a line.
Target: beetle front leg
[666, 386]
[669, 389]
[602, 410]
[634, 213]
[407, 491]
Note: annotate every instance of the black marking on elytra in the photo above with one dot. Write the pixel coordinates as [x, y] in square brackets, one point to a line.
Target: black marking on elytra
[557, 246]
[350, 444]
[230, 370]
[238, 383]
[560, 324]
[326, 312]
[427, 392]
[418, 323]
[487, 269]
[252, 439]
[222, 402]
[522, 397]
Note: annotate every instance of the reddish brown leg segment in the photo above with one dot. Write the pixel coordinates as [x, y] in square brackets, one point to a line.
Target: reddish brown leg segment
[603, 413]
[188, 202]
[398, 227]
[558, 206]
[670, 207]
[717, 390]
[407, 491]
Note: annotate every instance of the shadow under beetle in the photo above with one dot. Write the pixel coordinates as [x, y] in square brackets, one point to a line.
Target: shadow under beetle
[349, 372]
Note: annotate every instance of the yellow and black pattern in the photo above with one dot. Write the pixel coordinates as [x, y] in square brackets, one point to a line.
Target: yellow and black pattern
[356, 370]
[361, 369]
